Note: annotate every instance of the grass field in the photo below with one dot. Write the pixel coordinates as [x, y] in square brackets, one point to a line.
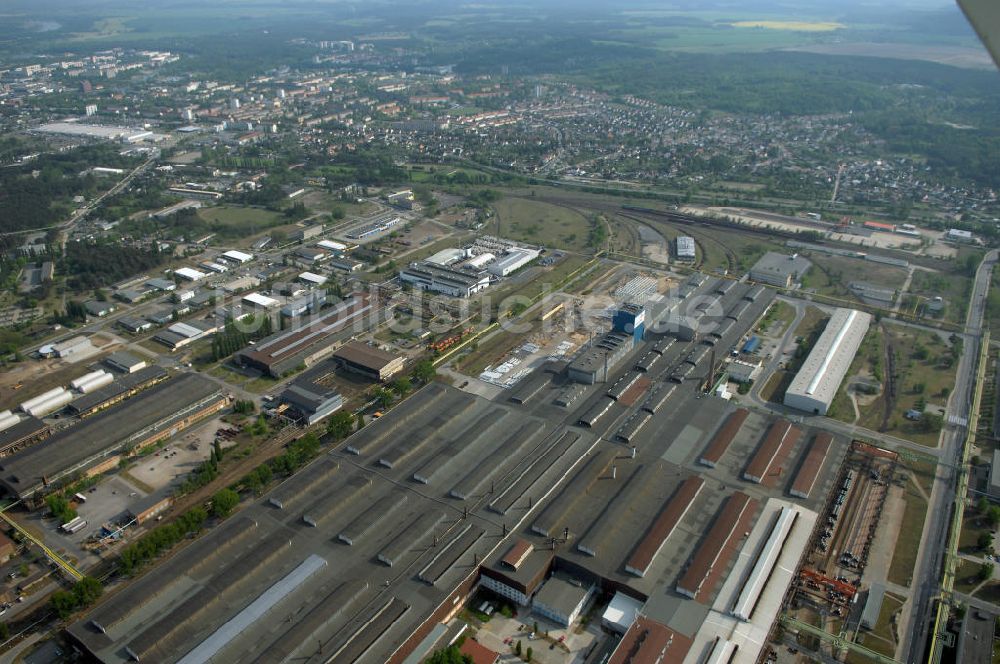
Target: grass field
[542, 223]
[925, 373]
[798, 26]
[973, 525]
[832, 274]
[882, 638]
[813, 320]
[246, 220]
[321, 201]
[779, 316]
[718, 38]
[965, 576]
[993, 305]
[954, 288]
[867, 363]
[908, 541]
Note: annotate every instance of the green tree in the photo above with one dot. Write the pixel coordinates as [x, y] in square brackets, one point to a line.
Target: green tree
[517, 648]
[361, 421]
[985, 572]
[528, 654]
[424, 371]
[982, 506]
[931, 422]
[402, 386]
[340, 424]
[63, 603]
[985, 541]
[449, 655]
[87, 590]
[224, 501]
[60, 507]
[383, 397]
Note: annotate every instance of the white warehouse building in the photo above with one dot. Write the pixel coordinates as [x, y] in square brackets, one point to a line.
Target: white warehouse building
[512, 261]
[814, 386]
[685, 248]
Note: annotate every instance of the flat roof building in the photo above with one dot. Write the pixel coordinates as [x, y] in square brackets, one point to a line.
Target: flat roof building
[307, 344]
[441, 279]
[346, 264]
[310, 398]
[368, 361]
[237, 256]
[310, 254]
[561, 599]
[258, 301]
[685, 248]
[959, 235]
[873, 606]
[161, 284]
[779, 269]
[190, 274]
[512, 261]
[98, 308]
[124, 362]
[97, 443]
[814, 386]
[994, 487]
[307, 232]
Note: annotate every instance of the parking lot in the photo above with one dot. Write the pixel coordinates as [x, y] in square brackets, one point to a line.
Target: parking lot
[178, 457]
[106, 502]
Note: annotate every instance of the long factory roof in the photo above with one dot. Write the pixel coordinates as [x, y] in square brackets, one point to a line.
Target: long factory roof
[103, 433]
[805, 477]
[471, 471]
[338, 529]
[820, 376]
[766, 461]
[289, 343]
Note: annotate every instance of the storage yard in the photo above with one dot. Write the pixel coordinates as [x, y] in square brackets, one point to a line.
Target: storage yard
[829, 582]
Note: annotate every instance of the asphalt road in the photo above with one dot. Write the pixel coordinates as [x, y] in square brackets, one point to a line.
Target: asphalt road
[914, 631]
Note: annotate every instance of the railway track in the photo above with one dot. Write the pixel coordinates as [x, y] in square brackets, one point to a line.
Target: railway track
[663, 219]
[701, 240]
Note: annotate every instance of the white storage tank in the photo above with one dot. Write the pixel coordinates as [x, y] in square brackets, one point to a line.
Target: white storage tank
[51, 404]
[84, 379]
[100, 381]
[7, 421]
[34, 401]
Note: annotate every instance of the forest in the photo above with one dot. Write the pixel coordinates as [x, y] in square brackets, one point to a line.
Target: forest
[39, 194]
[96, 265]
